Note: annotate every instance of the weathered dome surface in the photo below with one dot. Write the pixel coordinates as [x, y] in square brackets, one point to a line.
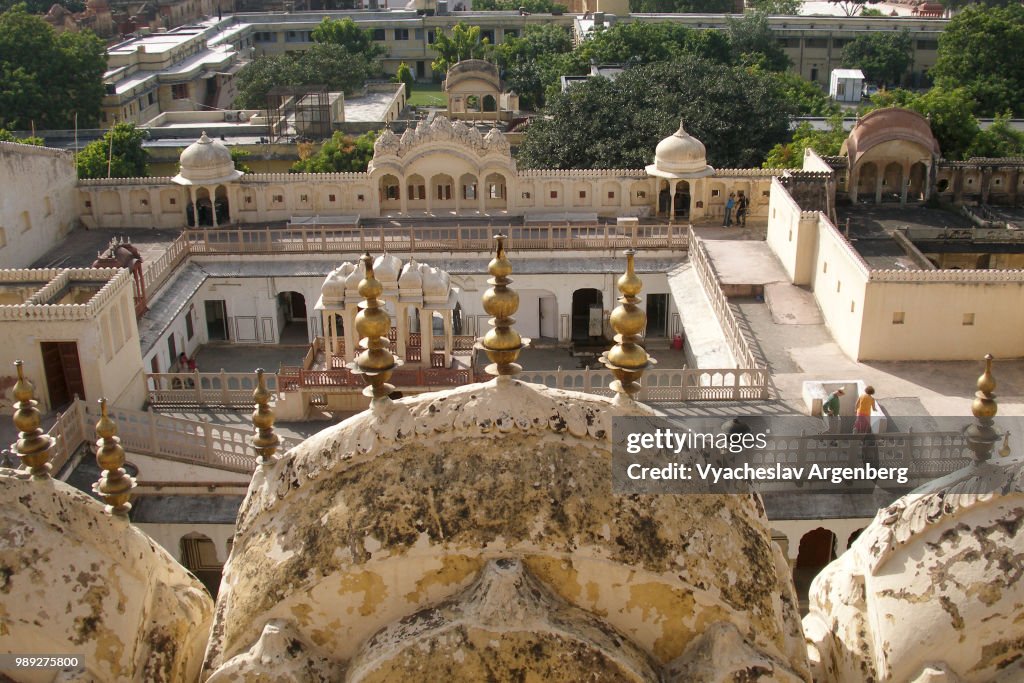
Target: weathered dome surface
[885, 126]
[932, 589]
[389, 544]
[411, 278]
[77, 580]
[415, 282]
[206, 162]
[682, 155]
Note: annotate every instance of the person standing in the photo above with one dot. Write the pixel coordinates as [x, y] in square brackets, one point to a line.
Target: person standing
[741, 209]
[830, 409]
[729, 204]
[865, 404]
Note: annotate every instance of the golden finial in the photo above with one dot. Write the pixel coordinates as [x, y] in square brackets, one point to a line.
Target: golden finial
[501, 343]
[114, 484]
[982, 436]
[372, 326]
[628, 359]
[265, 442]
[33, 445]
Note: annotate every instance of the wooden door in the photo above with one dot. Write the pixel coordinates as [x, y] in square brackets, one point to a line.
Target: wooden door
[63, 373]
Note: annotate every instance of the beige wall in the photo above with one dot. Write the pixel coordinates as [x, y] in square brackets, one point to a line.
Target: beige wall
[38, 204]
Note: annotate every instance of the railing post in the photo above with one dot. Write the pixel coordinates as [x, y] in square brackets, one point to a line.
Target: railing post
[605, 235]
[207, 438]
[736, 385]
[198, 386]
[412, 239]
[224, 388]
[669, 235]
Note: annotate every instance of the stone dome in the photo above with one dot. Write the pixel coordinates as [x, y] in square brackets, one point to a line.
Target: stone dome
[206, 162]
[333, 289]
[680, 155]
[411, 278]
[386, 268]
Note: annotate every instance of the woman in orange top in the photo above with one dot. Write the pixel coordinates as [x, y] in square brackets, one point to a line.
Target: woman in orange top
[865, 404]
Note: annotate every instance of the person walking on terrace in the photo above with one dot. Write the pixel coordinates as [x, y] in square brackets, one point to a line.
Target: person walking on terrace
[729, 204]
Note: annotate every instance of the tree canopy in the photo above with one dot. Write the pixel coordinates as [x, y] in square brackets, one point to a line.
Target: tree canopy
[533, 63]
[8, 136]
[824, 142]
[883, 57]
[464, 43]
[752, 41]
[342, 153]
[531, 6]
[852, 8]
[347, 34]
[982, 50]
[324, 63]
[123, 144]
[404, 75]
[45, 78]
[617, 124]
[776, 6]
[681, 6]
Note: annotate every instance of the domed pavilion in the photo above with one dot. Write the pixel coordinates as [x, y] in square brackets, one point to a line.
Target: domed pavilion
[679, 160]
[208, 172]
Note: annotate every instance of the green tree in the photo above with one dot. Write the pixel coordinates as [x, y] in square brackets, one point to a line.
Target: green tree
[752, 41]
[404, 75]
[464, 43]
[342, 153]
[852, 8]
[998, 140]
[617, 124]
[8, 136]
[824, 142]
[323, 64]
[42, 6]
[122, 144]
[534, 62]
[806, 98]
[681, 6]
[776, 6]
[644, 43]
[871, 12]
[531, 6]
[238, 156]
[46, 79]
[347, 34]
[982, 50]
[883, 57]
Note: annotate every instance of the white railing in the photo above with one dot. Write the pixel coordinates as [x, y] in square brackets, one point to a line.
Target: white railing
[667, 385]
[148, 433]
[738, 344]
[228, 389]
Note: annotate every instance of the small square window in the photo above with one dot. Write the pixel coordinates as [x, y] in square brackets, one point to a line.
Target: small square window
[968, 319]
[88, 204]
[716, 193]
[839, 287]
[174, 201]
[897, 317]
[248, 199]
[583, 194]
[611, 195]
[641, 194]
[554, 194]
[278, 198]
[330, 197]
[303, 197]
[765, 193]
[526, 195]
[824, 267]
[360, 197]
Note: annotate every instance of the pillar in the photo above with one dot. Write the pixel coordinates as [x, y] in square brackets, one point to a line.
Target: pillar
[672, 199]
[426, 336]
[481, 195]
[195, 208]
[448, 338]
[328, 325]
[879, 177]
[402, 312]
[905, 184]
[403, 195]
[348, 319]
[213, 206]
[430, 193]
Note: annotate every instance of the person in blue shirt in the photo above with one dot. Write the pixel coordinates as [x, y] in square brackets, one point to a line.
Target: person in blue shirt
[729, 203]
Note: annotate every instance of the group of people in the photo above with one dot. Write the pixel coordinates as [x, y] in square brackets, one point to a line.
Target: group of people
[741, 205]
[862, 421]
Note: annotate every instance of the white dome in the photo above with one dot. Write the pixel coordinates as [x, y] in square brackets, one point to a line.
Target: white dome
[355, 276]
[333, 289]
[206, 162]
[386, 268]
[435, 284]
[681, 153]
[411, 278]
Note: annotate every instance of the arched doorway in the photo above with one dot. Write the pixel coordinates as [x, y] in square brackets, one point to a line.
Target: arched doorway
[496, 191]
[490, 104]
[867, 179]
[291, 318]
[917, 188]
[817, 549]
[664, 198]
[390, 192]
[682, 199]
[892, 182]
[587, 315]
[199, 556]
[222, 205]
[468, 190]
[204, 207]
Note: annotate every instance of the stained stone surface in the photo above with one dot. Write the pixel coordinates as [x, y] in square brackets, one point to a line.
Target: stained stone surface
[932, 590]
[388, 543]
[74, 580]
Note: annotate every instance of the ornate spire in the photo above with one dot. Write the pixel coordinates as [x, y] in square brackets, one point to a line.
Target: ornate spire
[501, 343]
[372, 326]
[265, 442]
[628, 359]
[982, 436]
[114, 484]
[33, 445]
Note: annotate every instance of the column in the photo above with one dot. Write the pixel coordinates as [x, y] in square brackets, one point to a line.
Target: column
[403, 195]
[851, 184]
[348, 320]
[672, 199]
[430, 193]
[402, 329]
[905, 182]
[447, 339]
[481, 195]
[459, 189]
[213, 206]
[328, 325]
[426, 336]
[195, 208]
[879, 177]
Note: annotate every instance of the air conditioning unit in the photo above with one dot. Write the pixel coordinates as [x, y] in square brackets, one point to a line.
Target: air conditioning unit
[230, 116]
